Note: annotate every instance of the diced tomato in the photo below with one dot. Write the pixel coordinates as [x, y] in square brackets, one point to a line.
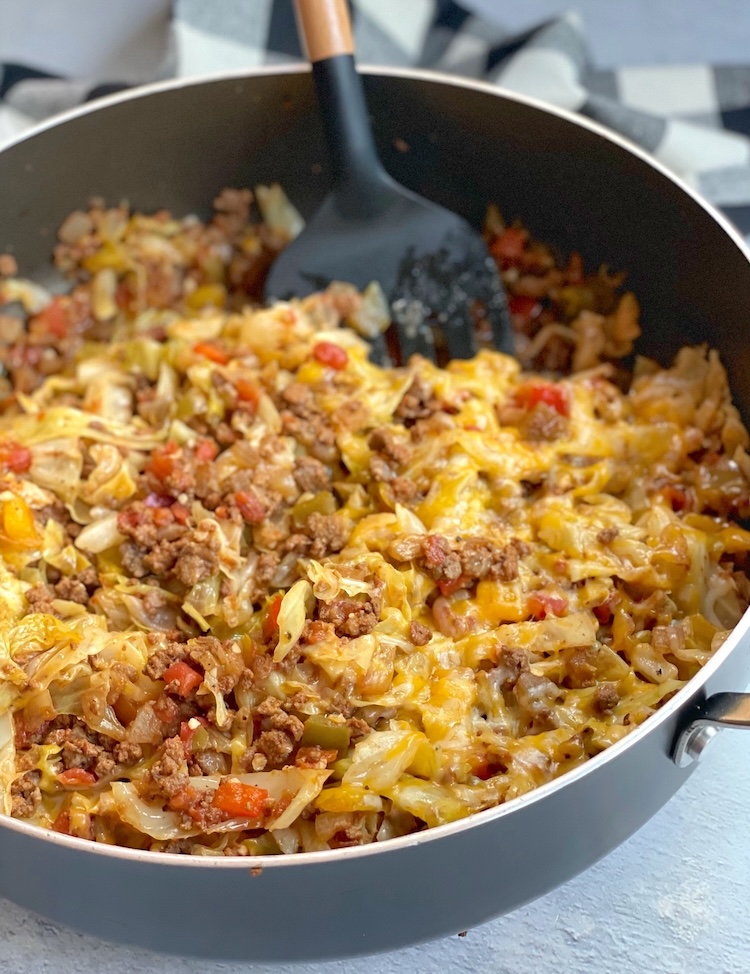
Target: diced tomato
[677, 498]
[248, 392]
[210, 351]
[180, 513]
[206, 450]
[162, 461]
[449, 587]
[239, 800]
[185, 678]
[604, 612]
[331, 355]
[14, 457]
[509, 245]
[543, 604]
[530, 394]
[522, 305]
[250, 507]
[271, 620]
[186, 731]
[76, 778]
[54, 319]
[62, 823]
[162, 517]
[487, 769]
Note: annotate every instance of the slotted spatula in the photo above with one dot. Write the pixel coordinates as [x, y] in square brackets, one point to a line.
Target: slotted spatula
[444, 288]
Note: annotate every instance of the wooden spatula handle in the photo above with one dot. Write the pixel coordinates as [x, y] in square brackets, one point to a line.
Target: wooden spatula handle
[325, 27]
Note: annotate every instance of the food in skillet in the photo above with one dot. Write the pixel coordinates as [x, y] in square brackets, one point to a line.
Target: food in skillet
[260, 595]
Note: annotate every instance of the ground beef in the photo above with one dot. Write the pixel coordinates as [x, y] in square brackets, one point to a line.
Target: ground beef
[446, 561]
[418, 403]
[80, 747]
[72, 590]
[419, 634]
[268, 707]
[350, 617]
[25, 795]
[79, 752]
[290, 725]
[311, 475]
[511, 663]
[384, 442]
[164, 547]
[280, 735]
[580, 667]
[161, 659]
[167, 773]
[40, 598]
[404, 490]
[303, 419]
[196, 560]
[359, 728]
[275, 746]
[266, 567]
[127, 753]
[148, 525]
[606, 535]
[543, 424]
[481, 558]
[606, 697]
[328, 533]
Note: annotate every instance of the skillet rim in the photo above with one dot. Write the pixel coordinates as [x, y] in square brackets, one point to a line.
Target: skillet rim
[672, 709]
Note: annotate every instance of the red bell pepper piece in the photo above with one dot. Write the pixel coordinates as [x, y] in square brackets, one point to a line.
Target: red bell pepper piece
[239, 800]
[332, 355]
[183, 676]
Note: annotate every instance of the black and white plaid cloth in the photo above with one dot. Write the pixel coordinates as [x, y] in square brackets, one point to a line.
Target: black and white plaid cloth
[695, 118]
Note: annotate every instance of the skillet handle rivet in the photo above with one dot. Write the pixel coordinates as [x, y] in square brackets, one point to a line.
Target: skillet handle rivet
[695, 745]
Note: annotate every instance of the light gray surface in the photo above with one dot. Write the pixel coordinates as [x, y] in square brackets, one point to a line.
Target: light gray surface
[626, 32]
[671, 900]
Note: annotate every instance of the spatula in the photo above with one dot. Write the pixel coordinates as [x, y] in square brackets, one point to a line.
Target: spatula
[444, 289]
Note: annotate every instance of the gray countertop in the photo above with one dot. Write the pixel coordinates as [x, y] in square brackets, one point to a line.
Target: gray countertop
[671, 900]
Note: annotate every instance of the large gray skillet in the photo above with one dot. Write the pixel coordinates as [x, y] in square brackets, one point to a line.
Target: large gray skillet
[175, 145]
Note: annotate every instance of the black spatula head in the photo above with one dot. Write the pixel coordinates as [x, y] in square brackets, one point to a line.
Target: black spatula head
[444, 288]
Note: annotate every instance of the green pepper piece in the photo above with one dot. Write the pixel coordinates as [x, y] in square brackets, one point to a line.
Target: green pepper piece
[339, 768]
[262, 845]
[327, 735]
[200, 740]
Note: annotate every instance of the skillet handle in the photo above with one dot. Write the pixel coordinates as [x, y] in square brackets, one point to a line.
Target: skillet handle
[325, 28]
[358, 176]
[719, 711]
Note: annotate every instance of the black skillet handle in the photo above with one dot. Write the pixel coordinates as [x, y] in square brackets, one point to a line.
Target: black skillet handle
[326, 32]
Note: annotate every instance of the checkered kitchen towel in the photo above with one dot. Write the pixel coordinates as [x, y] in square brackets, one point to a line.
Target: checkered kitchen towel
[695, 119]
